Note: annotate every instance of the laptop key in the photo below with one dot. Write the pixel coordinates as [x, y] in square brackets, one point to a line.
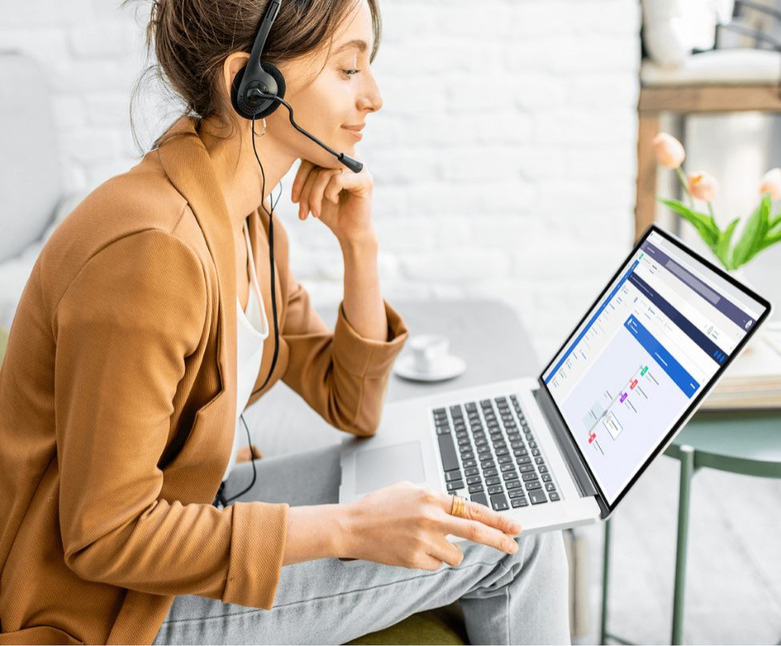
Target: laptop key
[512, 484]
[480, 497]
[530, 476]
[499, 502]
[550, 487]
[543, 469]
[546, 478]
[455, 474]
[519, 502]
[508, 467]
[469, 462]
[471, 471]
[473, 480]
[490, 472]
[495, 489]
[510, 475]
[554, 496]
[539, 461]
[537, 497]
[517, 493]
[526, 468]
[505, 459]
[476, 488]
[495, 480]
[535, 484]
[455, 485]
[524, 460]
[448, 451]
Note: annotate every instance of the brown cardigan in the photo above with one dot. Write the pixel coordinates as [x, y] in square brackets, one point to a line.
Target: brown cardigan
[118, 408]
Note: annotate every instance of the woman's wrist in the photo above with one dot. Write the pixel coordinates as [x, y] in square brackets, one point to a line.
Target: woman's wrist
[360, 246]
[317, 531]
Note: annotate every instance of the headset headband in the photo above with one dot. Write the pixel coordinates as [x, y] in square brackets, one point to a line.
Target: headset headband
[260, 40]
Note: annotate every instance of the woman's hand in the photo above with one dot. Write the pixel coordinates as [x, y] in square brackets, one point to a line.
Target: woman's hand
[407, 525]
[342, 200]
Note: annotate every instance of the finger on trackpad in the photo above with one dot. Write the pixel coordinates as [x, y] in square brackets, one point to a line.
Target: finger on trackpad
[377, 468]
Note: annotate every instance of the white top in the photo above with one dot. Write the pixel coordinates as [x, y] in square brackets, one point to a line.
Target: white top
[251, 330]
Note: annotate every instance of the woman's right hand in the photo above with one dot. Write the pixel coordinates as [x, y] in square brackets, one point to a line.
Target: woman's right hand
[407, 525]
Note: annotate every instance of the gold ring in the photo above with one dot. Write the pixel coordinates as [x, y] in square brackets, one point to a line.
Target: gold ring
[458, 506]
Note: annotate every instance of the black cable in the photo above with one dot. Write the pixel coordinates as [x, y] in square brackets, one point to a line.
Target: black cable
[220, 497]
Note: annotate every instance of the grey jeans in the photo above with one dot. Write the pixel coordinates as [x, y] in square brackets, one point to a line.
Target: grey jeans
[507, 599]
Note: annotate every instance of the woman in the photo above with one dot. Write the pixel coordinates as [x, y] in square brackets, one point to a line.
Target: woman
[128, 361]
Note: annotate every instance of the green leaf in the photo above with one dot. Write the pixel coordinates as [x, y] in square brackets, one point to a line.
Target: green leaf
[769, 241]
[707, 228]
[723, 246]
[753, 234]
[775, 221]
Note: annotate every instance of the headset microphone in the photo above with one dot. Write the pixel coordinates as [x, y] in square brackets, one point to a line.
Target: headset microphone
[353, 164]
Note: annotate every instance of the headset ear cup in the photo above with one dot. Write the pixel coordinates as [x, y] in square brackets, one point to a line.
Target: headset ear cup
[281, 87]
[272, 71]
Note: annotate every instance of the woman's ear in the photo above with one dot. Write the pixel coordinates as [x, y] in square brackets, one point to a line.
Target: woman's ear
[231, 67]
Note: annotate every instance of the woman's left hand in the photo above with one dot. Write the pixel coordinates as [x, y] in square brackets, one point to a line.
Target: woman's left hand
[342, 200]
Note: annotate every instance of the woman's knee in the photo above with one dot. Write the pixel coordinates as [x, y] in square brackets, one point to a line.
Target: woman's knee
[545, 552]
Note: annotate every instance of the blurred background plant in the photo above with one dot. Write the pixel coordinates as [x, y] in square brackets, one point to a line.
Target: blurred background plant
[762, 228]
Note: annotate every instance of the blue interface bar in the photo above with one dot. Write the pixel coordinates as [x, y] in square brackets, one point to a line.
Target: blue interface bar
[591, 322]
[675, 370]
[684, 324]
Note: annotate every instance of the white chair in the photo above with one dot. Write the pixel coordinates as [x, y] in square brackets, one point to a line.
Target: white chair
[686, 71]
[31, 183]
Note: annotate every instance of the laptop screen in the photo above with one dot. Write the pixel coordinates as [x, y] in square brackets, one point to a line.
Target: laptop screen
[655, 339]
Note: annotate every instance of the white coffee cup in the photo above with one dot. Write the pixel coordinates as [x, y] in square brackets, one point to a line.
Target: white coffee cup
[428, 350]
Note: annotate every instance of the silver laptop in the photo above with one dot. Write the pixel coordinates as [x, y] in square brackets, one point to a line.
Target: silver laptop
[563, 450]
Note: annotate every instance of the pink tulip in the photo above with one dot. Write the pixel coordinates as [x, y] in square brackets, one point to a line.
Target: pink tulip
[703, 186]
[669, 151]
[771, 183]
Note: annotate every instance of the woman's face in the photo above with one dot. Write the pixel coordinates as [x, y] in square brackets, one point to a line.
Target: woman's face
[333, 105]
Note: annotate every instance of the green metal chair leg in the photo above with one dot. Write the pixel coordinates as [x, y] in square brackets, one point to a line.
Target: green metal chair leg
[687, 471]
[605, 580]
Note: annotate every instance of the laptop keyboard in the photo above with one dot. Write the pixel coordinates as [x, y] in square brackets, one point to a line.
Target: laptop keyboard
[492, 454]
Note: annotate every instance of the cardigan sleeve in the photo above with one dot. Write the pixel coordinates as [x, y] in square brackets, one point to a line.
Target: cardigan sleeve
[123, 331]
[341, 375]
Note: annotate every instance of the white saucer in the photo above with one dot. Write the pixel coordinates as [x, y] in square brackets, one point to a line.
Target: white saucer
[448, 368]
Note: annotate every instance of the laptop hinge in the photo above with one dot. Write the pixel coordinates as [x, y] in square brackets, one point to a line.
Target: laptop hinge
[573, 460]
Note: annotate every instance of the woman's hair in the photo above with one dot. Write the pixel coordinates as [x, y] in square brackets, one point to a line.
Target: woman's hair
[192, 38]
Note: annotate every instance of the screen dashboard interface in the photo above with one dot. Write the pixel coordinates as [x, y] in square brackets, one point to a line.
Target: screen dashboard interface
[650, 345]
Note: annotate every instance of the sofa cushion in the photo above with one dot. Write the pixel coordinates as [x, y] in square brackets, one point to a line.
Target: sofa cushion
[30, 183]
[3, 343]
[438, 626]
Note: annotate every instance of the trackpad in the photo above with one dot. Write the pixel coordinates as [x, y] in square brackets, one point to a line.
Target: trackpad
[377, 468]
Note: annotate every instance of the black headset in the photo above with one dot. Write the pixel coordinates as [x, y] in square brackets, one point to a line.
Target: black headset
[258, 89]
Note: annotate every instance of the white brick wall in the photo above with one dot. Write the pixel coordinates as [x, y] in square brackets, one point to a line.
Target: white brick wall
[504, 156]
